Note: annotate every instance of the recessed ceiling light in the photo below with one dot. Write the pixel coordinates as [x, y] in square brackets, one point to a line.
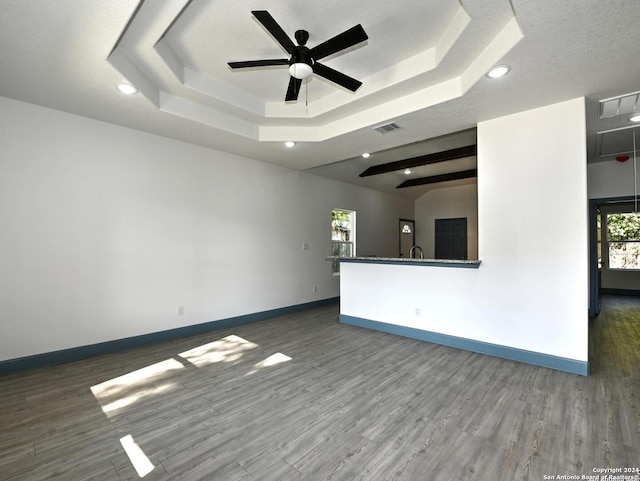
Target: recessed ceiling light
[126, 89]
[366, 155]
[407, 171]
[635, 118]
[289, 144]
[498, 71]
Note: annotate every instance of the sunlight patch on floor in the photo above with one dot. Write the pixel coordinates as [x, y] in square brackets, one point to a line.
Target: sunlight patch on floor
[277, 358]
[227, 349]
[116, 394]
[141, 463]
[117, 405]
[122, 391]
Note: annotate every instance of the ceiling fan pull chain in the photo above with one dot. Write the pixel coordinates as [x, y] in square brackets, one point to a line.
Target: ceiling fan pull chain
[635, 175]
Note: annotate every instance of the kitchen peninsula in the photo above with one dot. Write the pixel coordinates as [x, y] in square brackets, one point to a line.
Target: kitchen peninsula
[441, 301]
[411, 261]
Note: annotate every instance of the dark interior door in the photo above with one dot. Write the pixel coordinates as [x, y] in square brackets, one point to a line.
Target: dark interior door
[451, 238]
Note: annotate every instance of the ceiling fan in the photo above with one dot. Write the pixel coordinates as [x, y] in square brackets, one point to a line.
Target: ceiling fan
[304, 61]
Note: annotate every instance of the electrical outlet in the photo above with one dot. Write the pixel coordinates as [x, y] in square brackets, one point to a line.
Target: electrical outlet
[418, 311]
[305, 246]
[180, 310]
[315, 288]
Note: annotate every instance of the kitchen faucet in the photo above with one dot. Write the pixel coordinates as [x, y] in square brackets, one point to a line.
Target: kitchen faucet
[413, 249]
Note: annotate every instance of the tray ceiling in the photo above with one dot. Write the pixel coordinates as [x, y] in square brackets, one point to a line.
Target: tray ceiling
[422, 68]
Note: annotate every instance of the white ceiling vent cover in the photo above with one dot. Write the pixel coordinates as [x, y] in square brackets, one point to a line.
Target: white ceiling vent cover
[386, 128]
[622, 105]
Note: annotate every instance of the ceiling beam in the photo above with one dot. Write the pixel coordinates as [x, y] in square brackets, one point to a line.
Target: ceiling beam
[458, 153]
[434, 179]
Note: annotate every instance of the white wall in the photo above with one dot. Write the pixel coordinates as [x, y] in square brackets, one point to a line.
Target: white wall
[444, 203]
[533, 229]
[531, 291]
[107, 230]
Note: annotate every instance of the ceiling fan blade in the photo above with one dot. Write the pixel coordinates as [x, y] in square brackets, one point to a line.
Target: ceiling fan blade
[259, 63]
[336, 77]
[341, 41]
[274, 29]
[294, 89]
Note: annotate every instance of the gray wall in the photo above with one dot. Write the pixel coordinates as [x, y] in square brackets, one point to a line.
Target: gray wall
[447, 202]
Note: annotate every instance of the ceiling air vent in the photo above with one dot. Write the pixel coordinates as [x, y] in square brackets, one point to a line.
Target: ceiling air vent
[386, 128]
[622, 105]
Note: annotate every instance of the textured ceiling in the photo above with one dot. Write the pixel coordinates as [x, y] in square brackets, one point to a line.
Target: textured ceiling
[423, 67]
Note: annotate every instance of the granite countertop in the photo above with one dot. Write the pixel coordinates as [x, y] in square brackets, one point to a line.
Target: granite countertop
[406, 261]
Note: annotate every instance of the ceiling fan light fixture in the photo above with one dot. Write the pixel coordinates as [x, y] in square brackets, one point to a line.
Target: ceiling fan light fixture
[498, 71]
[126, 89]
[635, 118]
[300, 70]
[289, 144]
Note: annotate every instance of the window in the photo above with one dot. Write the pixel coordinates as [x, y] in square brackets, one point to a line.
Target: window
[623, 240]
[343, 236]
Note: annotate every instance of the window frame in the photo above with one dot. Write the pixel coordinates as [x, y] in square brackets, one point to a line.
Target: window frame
[335, 259]
[607, 242]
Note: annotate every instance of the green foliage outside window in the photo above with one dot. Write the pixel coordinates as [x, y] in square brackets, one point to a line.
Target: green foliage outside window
[623, 235]
[340, 216]
[623, 227]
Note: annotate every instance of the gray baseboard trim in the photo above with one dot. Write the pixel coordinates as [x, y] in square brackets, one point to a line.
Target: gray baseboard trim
[505, 352]
[82, 352]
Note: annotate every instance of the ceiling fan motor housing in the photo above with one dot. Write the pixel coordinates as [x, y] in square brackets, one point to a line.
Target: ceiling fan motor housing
[301, 62]
[301, 55]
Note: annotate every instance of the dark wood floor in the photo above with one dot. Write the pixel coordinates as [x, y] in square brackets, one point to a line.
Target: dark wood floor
[302, 397]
